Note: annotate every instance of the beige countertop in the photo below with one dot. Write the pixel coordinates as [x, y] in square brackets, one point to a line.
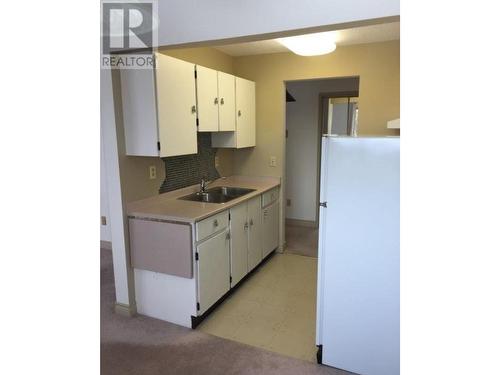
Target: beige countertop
[167, 206]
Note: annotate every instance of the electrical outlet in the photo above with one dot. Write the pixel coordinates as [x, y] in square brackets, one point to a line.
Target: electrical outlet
[288, 202]
[103, 220]
[216, 161]
[272, 161]
[152, 172]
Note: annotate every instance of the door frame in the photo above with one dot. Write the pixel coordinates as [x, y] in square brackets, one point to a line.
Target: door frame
[321, 97]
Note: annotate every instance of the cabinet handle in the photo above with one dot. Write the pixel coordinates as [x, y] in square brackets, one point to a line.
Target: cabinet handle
[251, 222]
[245, 226]
[216, 223]
[221, 101]
[228, 236]
[239, 113]
[193, 109]
[216, 101]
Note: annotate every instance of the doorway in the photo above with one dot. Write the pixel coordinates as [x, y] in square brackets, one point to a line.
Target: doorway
[313, 108]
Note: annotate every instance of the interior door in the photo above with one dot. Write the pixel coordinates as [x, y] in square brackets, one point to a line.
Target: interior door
[213, 270]
[176, 104]
[207, 99]
[254, 233]
[227, 102]
[239, 243]
[245, 113]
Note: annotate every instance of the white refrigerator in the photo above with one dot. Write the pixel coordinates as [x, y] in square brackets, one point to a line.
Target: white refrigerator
[358, 260]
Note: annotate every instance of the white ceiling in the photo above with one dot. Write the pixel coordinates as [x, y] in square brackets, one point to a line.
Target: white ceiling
[358, 35]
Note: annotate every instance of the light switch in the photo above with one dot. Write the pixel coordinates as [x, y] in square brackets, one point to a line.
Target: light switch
[152, 172]
[272, 161]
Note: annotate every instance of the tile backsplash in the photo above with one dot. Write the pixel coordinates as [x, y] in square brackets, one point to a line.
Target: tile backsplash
[186, 170]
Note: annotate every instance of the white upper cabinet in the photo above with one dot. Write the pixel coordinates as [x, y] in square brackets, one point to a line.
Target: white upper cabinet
[208, 99]
[215, 93]
[227, 102]
[244, 134]
[245, 113]
[176, 102]
[159, 109]
[139, 112]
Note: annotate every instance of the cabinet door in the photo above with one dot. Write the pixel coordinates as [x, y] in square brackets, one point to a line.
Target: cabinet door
[227, 102]
[139, 112]
[239, 243]
[254, 233]
[207, 99]
[270, 228]
[213, 270]
[245, 113]
[176, 104]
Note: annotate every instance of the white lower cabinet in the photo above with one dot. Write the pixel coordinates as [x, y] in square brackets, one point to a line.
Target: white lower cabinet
[270, 228]
[254, 233]
[213, 269]
[232, 243]
[227, 246]
[246, 243]
[239, 243]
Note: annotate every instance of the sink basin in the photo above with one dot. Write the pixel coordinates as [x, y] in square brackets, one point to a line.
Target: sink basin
[219, 194]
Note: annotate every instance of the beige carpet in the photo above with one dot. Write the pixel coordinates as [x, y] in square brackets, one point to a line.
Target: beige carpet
[146, 346]
[301, 240]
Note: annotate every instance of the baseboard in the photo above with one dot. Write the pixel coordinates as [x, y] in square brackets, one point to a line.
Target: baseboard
[125, 310]
[106, 245]
[301, 223]
[282, 248]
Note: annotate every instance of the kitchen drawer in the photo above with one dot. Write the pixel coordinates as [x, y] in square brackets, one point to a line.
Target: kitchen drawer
[211, 225]
[270, 196]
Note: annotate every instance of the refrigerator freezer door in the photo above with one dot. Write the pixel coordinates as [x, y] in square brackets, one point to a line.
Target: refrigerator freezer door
[358, 289]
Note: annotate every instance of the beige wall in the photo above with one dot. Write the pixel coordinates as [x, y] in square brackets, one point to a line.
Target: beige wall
[376, 64]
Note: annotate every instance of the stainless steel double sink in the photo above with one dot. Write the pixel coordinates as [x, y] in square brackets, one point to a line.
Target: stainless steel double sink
[218, 194]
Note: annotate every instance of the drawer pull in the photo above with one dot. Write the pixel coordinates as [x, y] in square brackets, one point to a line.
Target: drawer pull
[216, 223]
[245, 226]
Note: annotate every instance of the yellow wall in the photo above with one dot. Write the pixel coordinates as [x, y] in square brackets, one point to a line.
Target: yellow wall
[208, 57]
[376, 64]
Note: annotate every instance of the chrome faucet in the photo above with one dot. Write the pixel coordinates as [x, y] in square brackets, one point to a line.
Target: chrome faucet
[203, 185]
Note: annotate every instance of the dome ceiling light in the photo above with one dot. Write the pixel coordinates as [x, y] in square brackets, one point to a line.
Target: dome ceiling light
[310, 44]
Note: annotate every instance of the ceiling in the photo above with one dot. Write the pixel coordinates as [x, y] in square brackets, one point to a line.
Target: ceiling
[358, 35]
